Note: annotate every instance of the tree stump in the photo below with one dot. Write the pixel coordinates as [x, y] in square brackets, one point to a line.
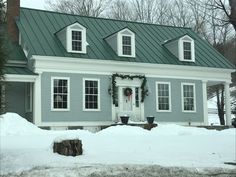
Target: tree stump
[68, 147]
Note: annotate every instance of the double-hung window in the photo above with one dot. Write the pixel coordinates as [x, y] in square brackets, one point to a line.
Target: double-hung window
[91, 95]
[126, 45]
[188, 97]
[187, 50]
[60, 94]
[163, 96]
[76, 40]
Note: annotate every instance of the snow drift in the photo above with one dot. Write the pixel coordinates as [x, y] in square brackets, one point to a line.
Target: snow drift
[25, 146]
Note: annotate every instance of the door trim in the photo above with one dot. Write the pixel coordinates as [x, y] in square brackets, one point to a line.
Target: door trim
[127, 83]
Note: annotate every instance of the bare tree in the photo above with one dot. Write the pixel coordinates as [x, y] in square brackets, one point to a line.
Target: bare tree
[230, 10]
[161, 12]
[150, 11]
[93, 8]
[179, 14]
[145, 10]
[2, 11]
[121, 10]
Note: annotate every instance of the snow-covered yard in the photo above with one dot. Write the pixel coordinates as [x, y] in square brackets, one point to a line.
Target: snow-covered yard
[23, 146]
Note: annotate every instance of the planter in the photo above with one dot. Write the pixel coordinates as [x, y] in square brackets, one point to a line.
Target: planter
[234, 122]
[124, 119]
[150, 119]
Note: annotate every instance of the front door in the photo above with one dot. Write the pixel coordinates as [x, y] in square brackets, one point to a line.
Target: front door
[129, 102]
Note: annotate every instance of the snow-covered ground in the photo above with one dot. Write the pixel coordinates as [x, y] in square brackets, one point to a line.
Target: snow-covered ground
[23, 146]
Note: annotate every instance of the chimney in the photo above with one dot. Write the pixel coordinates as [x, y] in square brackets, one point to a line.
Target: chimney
[13, 11]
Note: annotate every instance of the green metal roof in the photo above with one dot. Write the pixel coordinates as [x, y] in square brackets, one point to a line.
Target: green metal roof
[15, 52]
[38, 28]
[17, 70]
[13, 49]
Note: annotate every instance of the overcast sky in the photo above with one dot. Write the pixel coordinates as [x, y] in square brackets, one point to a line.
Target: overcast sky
[35, 4]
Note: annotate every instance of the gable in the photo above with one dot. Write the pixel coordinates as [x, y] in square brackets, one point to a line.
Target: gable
[40, 26]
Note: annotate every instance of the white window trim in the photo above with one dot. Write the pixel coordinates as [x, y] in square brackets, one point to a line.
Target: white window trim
[120, 44]
[157, 107]
[91, 79]
[69, 38]
[194, 97]
[68, 94]
[181, 48]
[26, 98]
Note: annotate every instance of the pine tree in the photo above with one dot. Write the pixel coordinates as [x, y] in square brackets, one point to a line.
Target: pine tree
[3, 54]
[2, 50]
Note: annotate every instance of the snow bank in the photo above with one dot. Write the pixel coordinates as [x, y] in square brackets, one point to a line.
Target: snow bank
[13, 124]
[123, 130]
[24, 146]
[172, 129]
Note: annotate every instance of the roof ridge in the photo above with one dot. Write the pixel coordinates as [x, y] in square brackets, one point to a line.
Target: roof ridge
[103, 18]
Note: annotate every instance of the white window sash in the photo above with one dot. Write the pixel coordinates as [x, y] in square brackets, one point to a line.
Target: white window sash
[98, 94]
[157, 96]
[52, 94]
[194, 97]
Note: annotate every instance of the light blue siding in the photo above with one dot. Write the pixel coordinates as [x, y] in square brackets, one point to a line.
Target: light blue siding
[176, 114]
[76, 112]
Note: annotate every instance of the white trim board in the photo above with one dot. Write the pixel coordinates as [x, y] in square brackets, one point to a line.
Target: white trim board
[19, 78]
[78, 65]
[82, 123]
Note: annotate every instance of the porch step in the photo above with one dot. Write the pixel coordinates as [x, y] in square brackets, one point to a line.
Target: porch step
[144, 125]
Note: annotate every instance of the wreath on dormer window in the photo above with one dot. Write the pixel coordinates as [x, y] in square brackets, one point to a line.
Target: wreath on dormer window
[128, 91]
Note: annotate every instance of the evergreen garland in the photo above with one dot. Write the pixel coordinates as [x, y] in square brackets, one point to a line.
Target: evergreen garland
[144, 91]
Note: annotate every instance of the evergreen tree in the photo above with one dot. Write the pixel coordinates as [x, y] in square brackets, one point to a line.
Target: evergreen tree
[2, 50]
[3, 55]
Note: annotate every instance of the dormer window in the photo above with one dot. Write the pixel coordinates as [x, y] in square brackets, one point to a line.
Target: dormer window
[126, 45]
[182, 47]
[122, 42]
[187, 50]
[76, 40]
[73, 38]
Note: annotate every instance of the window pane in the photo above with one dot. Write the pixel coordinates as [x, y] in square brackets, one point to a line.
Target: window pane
[77, 40]
[126, 45]
[187, 46]
[188, 97]
[60, 93]
[91, 94]
[187, 50]
[126, 50]
[126, 40]
[187, 55]
[163, 96]
[76, 35]
[77, 45]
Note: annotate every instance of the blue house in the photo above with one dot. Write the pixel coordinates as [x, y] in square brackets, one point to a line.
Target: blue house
[69, 70]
